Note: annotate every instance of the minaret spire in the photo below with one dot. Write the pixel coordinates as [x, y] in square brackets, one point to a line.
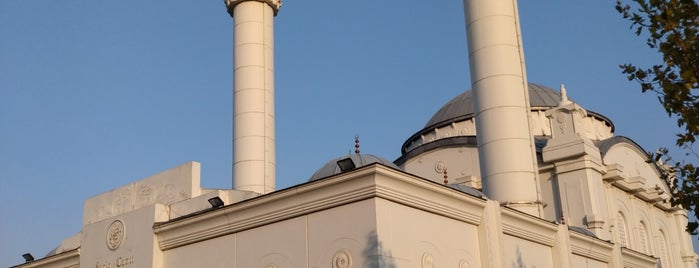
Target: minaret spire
[253, 94]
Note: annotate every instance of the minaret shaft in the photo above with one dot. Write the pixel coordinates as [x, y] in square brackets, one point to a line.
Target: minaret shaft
[253, 96]
[498, 77]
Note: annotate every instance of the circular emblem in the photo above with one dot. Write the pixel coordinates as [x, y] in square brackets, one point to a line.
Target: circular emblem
[115, 234]
[342, 259]
[440, 166]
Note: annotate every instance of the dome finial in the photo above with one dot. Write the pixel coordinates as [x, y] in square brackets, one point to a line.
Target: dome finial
[356, 143]
[564, 96]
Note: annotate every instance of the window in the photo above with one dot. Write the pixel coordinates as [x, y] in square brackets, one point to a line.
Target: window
[621, 227]
[662, 250]
[643, 238]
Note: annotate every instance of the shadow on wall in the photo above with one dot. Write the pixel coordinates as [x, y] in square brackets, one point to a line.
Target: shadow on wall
[375, 255]
[520, 262]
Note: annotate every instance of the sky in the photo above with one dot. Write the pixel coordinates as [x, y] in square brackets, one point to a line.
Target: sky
[97, 94]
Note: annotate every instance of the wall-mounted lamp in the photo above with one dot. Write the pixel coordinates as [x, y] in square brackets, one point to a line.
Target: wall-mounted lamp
[346, 164]
[28, 257]
[216, 202]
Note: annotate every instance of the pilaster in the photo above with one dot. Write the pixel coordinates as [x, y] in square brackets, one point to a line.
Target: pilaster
[491, 237]
[689, 258]
[562, 247]
[578, 167]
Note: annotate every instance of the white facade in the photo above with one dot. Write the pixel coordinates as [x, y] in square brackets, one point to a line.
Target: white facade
[589, 179]
[500, 100]
[599, 201]
[606, 206]
[254, 155]
[372, 216]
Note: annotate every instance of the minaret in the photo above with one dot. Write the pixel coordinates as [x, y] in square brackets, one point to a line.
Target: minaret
[501, 100]
[253, 94]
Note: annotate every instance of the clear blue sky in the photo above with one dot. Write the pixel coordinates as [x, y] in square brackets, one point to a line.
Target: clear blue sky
[97, 94]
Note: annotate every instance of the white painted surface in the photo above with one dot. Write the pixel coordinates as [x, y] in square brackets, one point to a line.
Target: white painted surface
[167, 187]
[253, 116]
[498, 77]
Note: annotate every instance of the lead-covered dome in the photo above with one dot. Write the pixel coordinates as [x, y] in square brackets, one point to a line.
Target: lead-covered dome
[461, 106]
[456, 119]
[358, 160]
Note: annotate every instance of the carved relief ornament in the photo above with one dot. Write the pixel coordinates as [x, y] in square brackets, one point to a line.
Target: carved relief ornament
[115, 234]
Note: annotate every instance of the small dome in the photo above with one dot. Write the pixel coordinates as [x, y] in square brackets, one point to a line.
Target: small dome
[332, 168]
[461, 106]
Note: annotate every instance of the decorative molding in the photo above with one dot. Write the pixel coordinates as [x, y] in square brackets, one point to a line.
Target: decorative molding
[528, 227]
[615, 172]
[274, 4]
[455, 129]
[635, 259]
[440, 166]
[167, 187]
[373, 181]
[68, 259]
[688, 256]
[470, 181]
[652, 194]
[636, 186]
[563, 126]
[342, 259]
[427, 260]
[446, 135]
[115, 234]
[595, 221]
[667, 206]
[491, 232]
[590, 247]
[631, 185]
[571, 149]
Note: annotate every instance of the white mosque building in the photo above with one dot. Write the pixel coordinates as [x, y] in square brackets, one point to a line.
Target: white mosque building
[508, 174]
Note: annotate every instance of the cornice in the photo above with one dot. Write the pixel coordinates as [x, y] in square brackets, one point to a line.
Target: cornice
[428, 196]
[274, 4]
[637, 186]
[590, 247]
[635, 259]
[68, 259]
[374, 181]
[528, 227]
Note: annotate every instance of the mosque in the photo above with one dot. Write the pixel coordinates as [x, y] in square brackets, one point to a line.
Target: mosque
[508, 174]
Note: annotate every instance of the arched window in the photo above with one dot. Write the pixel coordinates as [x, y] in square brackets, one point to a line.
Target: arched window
[662, 250]
[643, 237]
[623, 232]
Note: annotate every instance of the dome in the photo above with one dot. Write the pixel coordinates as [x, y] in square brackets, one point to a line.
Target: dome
[460, 109]
[461, 106]
[332, 168]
